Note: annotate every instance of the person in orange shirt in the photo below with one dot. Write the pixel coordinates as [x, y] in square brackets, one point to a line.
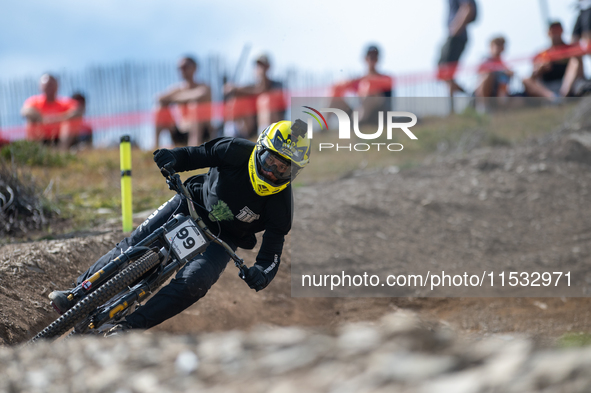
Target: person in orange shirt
[193, 100]
[251, 108]
[372, 84]
[48, 116]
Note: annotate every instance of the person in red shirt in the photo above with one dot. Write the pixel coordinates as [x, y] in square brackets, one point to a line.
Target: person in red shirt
[47, 114]
[80, 130]
[372, 84]
[494, 75]
[549, 66]
[193, 101]
[3, 142]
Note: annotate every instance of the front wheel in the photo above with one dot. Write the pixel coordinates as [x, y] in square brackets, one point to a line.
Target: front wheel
[105, 292]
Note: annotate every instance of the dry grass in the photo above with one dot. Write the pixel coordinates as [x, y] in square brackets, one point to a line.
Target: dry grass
[89, 188]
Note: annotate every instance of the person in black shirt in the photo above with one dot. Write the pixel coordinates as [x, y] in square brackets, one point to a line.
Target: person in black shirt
[461, 14]
[247, 190]
[574, 82]
[550, 66]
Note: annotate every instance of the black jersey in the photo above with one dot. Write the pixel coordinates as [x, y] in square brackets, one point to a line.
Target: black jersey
[225, 196]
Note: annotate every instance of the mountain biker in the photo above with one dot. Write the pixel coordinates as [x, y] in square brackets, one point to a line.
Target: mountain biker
[247, 190]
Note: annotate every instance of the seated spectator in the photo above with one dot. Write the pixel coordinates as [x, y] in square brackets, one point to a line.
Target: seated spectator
[574, 83]
[494, 75]
[252, 108]
[372, 84]
[81, 131]
[549, 67]
[48, 115]
[193, 101]
[3, 142]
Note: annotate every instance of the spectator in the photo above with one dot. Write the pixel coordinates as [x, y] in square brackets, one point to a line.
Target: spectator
[582, 29]
[48, 115]
[494, 75]
[3, 142]
[81, 130]
[193, 101]
[372, 84]
[549, 67]
[461, 13]
[254, 107]
[574, 82]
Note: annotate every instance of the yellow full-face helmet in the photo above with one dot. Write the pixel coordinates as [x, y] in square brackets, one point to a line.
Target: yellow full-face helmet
[281, 152]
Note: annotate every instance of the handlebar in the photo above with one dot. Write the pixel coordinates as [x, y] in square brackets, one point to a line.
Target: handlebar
[174, 183]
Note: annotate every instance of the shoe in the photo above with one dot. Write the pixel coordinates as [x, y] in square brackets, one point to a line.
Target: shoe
[119, 329]
[60, 302]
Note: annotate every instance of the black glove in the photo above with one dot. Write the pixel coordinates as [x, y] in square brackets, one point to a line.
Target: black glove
[255, 278]
[164, 157]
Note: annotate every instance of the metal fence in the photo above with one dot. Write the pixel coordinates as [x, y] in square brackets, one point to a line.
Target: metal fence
[131, 88]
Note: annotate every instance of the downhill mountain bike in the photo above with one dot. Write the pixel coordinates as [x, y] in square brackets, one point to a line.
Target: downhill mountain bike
[119, 287]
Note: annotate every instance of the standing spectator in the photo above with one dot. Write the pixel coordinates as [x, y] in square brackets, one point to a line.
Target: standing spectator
[193, 101]
[372, 84]
[255, 106]
[48, 115]
[549, 66]
[494, 75]
[461, 13]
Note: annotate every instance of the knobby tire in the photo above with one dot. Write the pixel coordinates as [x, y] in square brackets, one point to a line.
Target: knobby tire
[109, 289]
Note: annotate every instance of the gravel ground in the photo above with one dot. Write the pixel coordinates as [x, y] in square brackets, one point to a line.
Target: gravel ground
[397, 353]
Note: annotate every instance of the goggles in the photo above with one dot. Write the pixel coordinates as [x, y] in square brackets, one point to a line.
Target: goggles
[280, 167]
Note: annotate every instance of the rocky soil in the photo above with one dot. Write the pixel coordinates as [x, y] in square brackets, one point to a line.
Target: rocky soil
[397, 353]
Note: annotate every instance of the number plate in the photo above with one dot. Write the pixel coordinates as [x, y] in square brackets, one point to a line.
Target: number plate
[186, 239]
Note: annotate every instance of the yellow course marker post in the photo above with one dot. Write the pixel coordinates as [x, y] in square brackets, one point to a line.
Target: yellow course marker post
[126, 210]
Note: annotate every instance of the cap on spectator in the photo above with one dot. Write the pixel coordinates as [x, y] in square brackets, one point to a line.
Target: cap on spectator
[372, 49]
[554, 25]
[263, 60]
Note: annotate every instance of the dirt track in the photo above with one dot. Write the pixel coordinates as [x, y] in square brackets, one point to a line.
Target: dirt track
[553, 175]
[231, 305]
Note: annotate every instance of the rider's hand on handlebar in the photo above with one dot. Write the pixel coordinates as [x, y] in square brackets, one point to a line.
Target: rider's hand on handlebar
[255, 278]
[164, 157]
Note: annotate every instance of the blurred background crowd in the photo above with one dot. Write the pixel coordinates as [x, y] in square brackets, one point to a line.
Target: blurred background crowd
[208, 98]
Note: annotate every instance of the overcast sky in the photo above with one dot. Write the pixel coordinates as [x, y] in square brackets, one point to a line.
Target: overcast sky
[38, 36]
